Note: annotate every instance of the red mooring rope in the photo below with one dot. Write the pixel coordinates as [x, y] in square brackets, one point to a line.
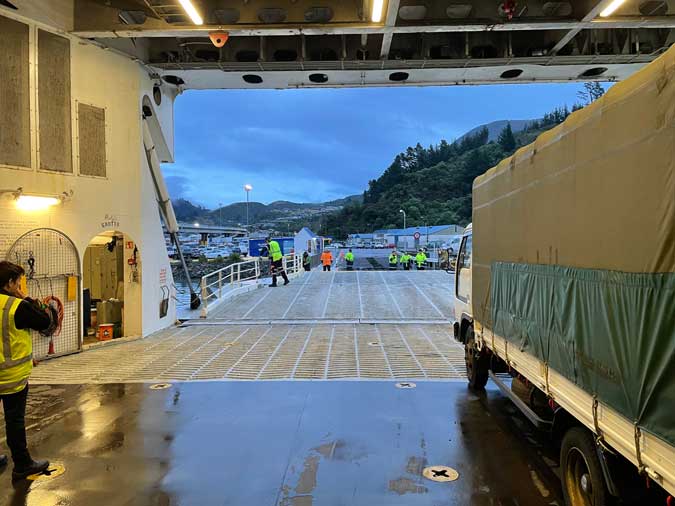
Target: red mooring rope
[56, 303]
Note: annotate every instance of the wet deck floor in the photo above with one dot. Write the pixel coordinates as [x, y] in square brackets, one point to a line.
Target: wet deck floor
[281, 444]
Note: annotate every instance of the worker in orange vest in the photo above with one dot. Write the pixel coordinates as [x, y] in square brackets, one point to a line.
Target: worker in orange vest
[326, 259]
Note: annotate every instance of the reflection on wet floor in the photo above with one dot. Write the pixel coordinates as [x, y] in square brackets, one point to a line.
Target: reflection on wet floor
[282, 444]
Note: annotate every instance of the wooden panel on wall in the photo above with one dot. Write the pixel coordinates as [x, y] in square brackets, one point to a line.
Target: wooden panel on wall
[14, 94]
[91, 135]
[55, 150]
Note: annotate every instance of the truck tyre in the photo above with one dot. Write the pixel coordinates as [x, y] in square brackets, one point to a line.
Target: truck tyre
[477, 364]
[583, 482]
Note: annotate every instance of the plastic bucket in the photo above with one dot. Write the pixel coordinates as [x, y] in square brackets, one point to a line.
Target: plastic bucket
[105, 331]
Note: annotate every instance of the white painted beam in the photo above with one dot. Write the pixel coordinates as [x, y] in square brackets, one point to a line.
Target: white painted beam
[390, 21]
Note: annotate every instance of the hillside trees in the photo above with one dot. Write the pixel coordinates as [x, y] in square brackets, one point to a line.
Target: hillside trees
[433, 185]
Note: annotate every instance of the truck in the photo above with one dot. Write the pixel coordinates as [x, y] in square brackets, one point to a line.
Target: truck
[565, 289]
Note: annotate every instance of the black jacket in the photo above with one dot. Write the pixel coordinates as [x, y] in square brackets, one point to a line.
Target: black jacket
[29, 315]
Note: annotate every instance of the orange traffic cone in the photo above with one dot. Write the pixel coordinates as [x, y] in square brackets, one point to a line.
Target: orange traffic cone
[51, 347]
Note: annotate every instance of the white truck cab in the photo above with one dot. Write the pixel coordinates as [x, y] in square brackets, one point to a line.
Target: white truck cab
[463, 307]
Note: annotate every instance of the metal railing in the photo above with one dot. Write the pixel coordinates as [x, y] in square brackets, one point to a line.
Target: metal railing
[231, 279]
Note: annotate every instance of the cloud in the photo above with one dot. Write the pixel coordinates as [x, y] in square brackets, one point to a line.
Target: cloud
[311, 145]
[178, 186]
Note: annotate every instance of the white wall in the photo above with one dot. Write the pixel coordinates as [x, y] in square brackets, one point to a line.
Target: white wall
[123, 201]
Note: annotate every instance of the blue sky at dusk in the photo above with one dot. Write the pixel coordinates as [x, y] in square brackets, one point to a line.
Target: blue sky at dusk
[313, 145]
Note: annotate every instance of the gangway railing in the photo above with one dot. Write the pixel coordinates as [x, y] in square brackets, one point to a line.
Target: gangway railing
[222, 284]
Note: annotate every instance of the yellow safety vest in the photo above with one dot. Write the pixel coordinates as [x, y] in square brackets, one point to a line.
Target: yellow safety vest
[16, 349]
[275, 251]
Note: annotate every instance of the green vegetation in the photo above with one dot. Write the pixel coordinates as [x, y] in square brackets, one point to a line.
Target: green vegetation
[433, 185]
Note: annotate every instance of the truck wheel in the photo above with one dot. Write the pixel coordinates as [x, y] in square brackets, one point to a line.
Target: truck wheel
[582, 478]
[476, 363]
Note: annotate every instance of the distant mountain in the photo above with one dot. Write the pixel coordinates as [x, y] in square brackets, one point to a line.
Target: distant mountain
[187, 211]
[495, 128]
[280, 213]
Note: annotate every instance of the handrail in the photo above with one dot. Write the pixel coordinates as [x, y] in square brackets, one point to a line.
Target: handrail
[232, 277]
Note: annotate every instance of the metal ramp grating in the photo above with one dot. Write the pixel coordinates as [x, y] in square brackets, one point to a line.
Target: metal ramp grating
[268, 352]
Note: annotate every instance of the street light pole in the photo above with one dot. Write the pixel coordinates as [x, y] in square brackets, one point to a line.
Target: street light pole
[247, 189]
[402, 211]
[220, 205]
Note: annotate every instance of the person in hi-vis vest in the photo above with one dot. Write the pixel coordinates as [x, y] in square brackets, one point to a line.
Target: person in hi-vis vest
[277, 259]
[326, 259]
[349, 258]
[19, 315]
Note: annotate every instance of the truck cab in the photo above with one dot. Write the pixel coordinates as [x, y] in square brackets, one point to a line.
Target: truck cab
[462, 289]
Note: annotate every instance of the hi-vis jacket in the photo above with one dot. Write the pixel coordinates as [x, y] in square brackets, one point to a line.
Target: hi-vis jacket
[16, 349]
[275, 251]
[326, 257]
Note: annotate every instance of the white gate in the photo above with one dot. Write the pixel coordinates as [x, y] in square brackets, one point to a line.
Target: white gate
[52, 264]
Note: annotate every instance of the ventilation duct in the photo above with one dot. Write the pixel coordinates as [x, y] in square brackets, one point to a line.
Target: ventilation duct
[272, 15]
[319, 15]
[225, 16]
[412, 12]
[459, 11]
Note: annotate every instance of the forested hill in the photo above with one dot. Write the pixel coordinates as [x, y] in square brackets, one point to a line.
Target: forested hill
[433, 185]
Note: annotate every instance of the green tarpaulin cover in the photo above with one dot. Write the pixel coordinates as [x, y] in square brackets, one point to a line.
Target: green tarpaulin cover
[611, 333]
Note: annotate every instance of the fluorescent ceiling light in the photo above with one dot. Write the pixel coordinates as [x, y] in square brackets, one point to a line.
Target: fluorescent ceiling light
[376, 14]
[34, 203]
[609, 10]
[192, 12]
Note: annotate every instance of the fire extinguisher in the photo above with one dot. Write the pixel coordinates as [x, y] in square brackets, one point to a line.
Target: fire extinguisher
[133, 263]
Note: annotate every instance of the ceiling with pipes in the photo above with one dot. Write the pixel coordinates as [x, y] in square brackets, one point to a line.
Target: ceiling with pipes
[314, 43]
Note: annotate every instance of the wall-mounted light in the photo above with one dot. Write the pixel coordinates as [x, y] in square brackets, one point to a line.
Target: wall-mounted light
[192, 12]
[36, 202]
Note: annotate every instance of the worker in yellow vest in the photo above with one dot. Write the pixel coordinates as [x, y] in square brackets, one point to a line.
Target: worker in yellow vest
[393, 260]
[19, 314]
[349, 258]
[277, 259]
[420, 259]
[406, 260]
